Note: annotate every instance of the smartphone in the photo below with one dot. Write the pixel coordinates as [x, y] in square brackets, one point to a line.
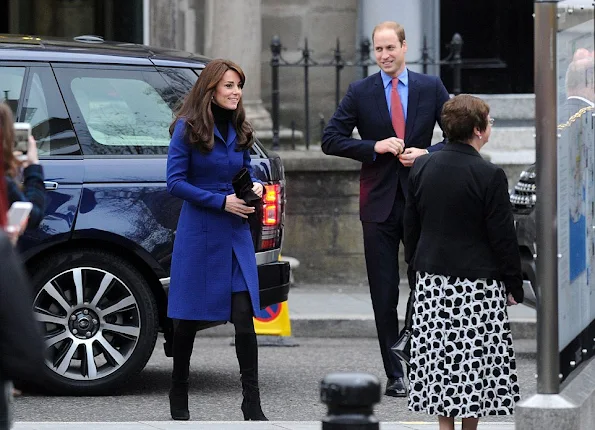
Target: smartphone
[18, 214]
[22, 133]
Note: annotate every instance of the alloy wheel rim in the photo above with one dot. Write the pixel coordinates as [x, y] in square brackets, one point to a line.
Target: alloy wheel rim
[90, 321]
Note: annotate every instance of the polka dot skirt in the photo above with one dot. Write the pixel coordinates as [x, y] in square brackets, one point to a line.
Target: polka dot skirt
[462, 358]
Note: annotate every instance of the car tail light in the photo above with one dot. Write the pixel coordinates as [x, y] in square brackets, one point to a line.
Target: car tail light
[271, 217]
[271, 205]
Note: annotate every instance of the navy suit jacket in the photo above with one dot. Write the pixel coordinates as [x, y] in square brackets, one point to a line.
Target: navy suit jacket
[364, 106]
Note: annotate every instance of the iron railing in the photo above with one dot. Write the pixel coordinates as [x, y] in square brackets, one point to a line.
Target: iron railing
[363, 60]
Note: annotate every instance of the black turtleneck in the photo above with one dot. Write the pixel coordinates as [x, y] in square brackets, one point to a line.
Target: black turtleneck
[222, 117]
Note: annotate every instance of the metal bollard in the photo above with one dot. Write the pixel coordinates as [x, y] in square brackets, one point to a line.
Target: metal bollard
[350, 398]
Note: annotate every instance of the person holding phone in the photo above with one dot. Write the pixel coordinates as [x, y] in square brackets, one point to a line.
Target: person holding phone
[21, 345]
[22, 172]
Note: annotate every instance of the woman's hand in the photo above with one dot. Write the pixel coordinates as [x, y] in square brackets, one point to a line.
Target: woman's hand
[510, 301]
[31, 157]
[258, 189]
[237, 206]
[13, 234]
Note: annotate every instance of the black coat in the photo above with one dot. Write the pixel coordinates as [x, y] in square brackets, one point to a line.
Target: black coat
[458, 218]
[32, 190]
[21, 347]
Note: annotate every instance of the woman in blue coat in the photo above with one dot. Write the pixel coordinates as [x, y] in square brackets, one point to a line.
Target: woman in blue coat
[213, 273]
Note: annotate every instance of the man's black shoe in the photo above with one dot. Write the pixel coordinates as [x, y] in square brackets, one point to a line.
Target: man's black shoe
[396, 388]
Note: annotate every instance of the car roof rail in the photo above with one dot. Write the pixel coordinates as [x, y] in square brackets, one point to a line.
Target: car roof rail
[89, 38]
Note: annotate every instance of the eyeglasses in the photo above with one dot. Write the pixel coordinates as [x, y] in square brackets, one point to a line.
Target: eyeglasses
[491, 121]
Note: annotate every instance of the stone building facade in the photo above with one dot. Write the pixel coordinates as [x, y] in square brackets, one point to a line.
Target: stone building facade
[243, 30]
[322, 223]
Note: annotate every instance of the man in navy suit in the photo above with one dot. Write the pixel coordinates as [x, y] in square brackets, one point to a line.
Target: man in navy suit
[394, 111]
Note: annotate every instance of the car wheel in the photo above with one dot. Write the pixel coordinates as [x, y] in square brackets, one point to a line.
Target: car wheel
[98, 318]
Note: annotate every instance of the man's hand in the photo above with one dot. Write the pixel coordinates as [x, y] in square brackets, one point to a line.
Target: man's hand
[237, 206]
[393, 145]
[410, 154]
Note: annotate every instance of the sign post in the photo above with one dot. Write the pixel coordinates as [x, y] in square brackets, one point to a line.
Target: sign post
[564, 218]
[546, 25]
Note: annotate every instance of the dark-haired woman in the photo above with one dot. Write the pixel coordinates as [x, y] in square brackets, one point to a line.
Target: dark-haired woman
[21, 345]
[213, 273]
[460, 240]
[24, 179]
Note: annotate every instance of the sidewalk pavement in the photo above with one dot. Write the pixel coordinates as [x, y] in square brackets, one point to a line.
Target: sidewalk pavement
[329, 311]
[231, 425]
[316, 311]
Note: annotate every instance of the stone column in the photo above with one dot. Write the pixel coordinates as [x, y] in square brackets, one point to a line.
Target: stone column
[163, 26]
[233, 31]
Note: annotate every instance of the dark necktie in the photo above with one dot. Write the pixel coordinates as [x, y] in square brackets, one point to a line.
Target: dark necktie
[396, 114]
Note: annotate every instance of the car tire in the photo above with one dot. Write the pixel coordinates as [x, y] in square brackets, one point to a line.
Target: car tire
[99, 320]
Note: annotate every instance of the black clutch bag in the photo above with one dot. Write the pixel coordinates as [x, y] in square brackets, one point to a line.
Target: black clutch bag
[242, 187]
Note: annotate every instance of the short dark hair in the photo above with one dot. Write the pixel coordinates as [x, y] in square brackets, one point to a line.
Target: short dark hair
[460, 116]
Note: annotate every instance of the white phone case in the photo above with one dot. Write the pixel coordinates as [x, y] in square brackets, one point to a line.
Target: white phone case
[18, 213]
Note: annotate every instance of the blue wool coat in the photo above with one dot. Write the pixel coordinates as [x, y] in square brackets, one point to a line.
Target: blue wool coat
[201, 270]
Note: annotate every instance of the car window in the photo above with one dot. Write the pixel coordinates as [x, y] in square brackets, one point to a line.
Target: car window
[42, 106]
[118, 111]
[179, 80]
[11, 85]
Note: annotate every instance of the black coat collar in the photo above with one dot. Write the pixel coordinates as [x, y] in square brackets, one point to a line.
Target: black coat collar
[465, 148]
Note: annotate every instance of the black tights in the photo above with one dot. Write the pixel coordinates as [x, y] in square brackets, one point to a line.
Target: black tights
[185, 331]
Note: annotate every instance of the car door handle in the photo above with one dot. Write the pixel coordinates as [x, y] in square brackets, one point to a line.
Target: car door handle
[50, 185]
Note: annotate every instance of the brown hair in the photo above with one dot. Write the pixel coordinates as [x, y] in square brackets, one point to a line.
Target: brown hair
[398, 28]
[10, 163]
[461, 115]
[196, 109]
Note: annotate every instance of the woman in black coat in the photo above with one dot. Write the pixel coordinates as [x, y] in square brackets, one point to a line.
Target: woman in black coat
[460, 241]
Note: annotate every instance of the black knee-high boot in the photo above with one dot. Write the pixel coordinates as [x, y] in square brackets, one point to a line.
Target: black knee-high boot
[247, 352]
[184, 332]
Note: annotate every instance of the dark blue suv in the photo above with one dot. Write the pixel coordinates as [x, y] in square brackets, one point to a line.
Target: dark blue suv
[100, 260]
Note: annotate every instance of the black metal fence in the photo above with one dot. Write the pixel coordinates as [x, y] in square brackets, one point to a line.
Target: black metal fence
[363, 60]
